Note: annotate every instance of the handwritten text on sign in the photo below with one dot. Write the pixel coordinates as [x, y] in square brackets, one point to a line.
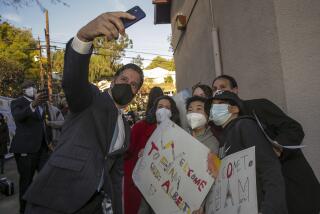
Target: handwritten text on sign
[235, 189]
[172, 174]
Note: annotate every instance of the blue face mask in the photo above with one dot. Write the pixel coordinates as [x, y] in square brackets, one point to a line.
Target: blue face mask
[219, 114]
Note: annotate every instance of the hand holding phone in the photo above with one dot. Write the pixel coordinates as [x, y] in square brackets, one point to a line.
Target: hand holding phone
[137, 12]
[43, 95]
[109, 25]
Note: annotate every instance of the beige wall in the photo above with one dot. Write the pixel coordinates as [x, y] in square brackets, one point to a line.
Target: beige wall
[298, 24]
[193, 56]
[272, 48]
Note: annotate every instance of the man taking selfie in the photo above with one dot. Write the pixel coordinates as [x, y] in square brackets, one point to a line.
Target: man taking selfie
[84, 174]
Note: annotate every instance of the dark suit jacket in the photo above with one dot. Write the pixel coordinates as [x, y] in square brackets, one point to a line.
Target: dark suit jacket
[302, 186]
[242, 133]
[29, 127]
[73, 172]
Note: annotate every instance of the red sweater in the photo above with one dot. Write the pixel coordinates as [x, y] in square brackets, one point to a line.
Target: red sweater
[140, 133]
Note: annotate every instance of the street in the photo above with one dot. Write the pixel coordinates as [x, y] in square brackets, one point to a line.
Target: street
[10, 204]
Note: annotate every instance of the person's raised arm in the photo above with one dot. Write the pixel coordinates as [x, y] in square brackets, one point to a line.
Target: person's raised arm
[77, 57]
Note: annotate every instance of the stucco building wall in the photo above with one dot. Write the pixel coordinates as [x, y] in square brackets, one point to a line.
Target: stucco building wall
[272, 48]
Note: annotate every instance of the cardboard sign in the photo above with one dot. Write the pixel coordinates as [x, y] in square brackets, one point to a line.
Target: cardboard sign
[172, 174]
[6, 111]
[235, 191]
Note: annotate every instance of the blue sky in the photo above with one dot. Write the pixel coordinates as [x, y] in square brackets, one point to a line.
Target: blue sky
[66, 21]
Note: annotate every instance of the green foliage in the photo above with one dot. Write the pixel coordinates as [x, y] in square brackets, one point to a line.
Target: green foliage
[138, 60]
[17, 51]
[57, 61]
[107, 58]
[11, 77]
[161, 62]
[168, 79]
[17, 44]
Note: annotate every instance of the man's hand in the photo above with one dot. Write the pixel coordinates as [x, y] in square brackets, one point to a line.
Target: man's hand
[107, 24]
[277, 150]
[40, 98]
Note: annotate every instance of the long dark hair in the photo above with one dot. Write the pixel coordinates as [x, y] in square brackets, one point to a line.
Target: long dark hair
[174, 111]
[155, 92]
[205, 88]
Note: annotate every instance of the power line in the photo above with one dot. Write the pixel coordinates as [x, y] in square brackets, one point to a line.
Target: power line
[126, 49]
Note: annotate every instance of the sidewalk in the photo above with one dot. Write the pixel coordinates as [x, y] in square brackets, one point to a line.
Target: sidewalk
[10, 204]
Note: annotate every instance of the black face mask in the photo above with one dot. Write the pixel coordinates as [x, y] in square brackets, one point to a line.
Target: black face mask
[122, 93]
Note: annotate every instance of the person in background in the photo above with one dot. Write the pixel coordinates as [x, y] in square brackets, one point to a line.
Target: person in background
[242, 132]
[198, 118]
[202, 90]
[4, 140]
[302, 186]
[64, 107]
[55, 121]
[155, 92]
[164, 107]
[30, 143]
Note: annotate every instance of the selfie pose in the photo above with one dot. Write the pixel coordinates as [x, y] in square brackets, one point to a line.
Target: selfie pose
[84, 173]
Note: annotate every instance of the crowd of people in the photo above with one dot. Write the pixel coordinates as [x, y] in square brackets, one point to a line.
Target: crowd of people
[87, 167]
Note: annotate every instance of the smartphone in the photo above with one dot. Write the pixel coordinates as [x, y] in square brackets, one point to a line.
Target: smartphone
[135, 11]
[44, 91]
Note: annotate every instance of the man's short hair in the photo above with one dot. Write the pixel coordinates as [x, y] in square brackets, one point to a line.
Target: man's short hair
[200, 99]
[133, 67]
[232, 81]
[28, 83]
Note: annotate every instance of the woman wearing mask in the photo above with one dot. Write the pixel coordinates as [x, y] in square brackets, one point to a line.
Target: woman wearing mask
[241, 132]
[164, 108]
[197, 117]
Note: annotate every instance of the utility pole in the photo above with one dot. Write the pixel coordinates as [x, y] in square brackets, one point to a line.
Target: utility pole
[40, 62]
[49, 71]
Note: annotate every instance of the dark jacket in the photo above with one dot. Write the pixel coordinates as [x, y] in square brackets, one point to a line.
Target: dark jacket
[302, 186]
[29, 127]
[4, 137]
[242, 133]
[73, 172]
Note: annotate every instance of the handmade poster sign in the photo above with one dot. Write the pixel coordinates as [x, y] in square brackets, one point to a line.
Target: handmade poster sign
[172, 174]
[6, 111]
[234, 191]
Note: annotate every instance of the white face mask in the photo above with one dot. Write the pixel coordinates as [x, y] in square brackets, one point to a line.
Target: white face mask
[162, 114]
[196, 120]
[219, 114]
[30, 92]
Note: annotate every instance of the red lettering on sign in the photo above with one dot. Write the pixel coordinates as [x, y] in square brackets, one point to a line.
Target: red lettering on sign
[166, 184]
[153, 147]
[189, 172]
[229, 170]
[179, 200]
